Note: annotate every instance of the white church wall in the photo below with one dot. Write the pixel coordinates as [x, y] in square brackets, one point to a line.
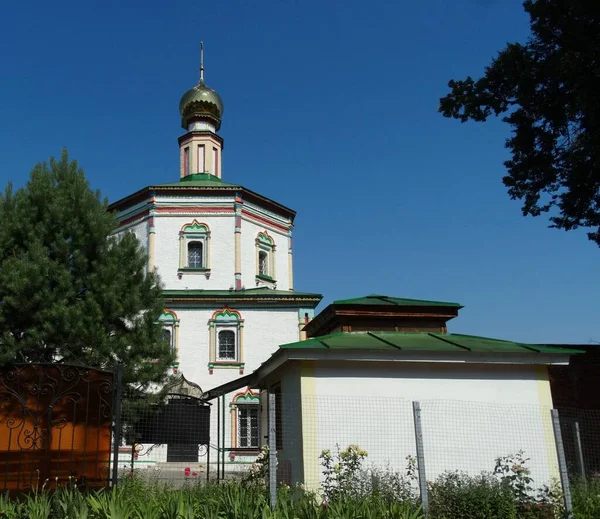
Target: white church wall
[471, 414]
[140, 229]
[250, 231]
[263, 331]
[222, 255]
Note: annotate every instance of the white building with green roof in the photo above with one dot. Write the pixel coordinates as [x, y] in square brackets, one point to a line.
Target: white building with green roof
[365, 361]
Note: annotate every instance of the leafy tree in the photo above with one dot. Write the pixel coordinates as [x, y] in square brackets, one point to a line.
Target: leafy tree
[549, 90]
[71, 289]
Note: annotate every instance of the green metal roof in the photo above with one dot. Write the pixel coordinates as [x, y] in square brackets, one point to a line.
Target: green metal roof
[421, 341]
[379, 300]
[199, 180]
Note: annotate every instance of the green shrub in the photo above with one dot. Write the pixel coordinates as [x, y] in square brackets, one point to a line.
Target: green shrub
[455, 495]
[586, 498]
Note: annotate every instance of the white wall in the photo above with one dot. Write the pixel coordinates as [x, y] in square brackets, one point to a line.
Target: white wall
[471, 414]
[264, 330]
[222, 253]
[250, 231]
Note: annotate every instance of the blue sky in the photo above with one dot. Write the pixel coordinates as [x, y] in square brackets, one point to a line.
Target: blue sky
[330, 108]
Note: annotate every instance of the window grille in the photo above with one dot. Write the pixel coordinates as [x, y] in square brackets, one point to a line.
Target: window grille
[195, 254]
[248, 420]
[227, 345]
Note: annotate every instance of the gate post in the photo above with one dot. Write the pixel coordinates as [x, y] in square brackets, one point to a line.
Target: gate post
[117, 423]
[562, 464]
[421, 457]
[272, 452]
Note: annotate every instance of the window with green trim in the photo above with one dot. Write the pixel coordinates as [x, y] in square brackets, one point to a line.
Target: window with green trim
[226, 328]
[265, 258]
[170, 323]
[194, 246]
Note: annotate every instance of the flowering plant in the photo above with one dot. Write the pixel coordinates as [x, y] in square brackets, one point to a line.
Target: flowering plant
[259, 470]
[340, 471]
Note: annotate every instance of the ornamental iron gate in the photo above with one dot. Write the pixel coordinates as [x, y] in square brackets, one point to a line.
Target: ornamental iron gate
[55, 426]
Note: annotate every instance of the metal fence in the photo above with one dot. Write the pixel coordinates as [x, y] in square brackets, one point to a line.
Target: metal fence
[165, 439]
[55, 425]
[430, 438]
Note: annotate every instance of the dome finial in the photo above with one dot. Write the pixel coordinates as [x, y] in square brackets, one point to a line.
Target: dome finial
[201, 62]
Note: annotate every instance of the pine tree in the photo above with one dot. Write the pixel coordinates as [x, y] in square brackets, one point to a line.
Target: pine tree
[71, 288]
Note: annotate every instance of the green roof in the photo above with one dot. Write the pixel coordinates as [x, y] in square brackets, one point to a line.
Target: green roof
[200, 180]
[375, 299]
[420, 341]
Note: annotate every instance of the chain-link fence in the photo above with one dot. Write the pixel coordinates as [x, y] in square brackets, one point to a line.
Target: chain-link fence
[166, 440]
[398, 442]
[414, 443]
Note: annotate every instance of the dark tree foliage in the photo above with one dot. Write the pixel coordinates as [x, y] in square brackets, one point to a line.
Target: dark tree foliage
[69, 288]
[549, 91]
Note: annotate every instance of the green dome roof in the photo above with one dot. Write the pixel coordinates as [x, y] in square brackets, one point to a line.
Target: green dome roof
[201, 102]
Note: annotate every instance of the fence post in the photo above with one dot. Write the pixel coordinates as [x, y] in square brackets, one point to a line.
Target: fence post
[420, 457]
[117, 424]
[562, 464]
[579, 449]
[272, 452]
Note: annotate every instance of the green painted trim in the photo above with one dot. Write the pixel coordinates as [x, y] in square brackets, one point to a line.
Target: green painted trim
[205, 177]
[193, 269]
[217, 365]
[264, 278]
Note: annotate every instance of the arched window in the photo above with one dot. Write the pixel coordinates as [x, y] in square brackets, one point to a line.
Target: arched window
[194, 249]
[265, 260]
[226, 328]
[170, 329]
[245, 408]
[195, 257]
[227, 346]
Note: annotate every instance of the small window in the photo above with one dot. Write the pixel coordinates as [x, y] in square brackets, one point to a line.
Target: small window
[216, 162]
[195, 254]
[263, 263]
[186, 161]
[248, 426]
[168, 337]
[227, 349]
[201, 165]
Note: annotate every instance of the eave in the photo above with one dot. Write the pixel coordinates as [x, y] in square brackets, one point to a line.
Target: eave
[264, 297]
[185, 190]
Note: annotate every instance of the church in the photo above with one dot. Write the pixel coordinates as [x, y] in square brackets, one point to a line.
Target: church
[240, 332]
[224, 255]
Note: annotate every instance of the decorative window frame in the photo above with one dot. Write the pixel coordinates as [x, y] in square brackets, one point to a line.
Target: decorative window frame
[170, 321]
[226, 319]
[191, 232]
[265, 243]
[248, 398]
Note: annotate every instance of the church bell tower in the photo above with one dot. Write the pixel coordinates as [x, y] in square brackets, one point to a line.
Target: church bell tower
[201, 110]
